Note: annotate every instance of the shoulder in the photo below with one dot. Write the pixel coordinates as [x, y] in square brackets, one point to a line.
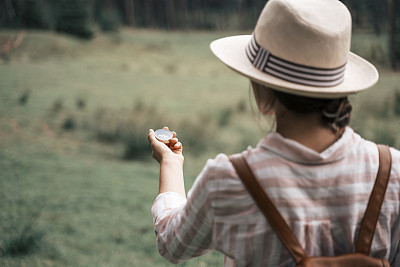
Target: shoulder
[217, 170]
[395, 161]
[395, 154]
[219, 175]
[369, 149]
[223, 191]
[221, 165]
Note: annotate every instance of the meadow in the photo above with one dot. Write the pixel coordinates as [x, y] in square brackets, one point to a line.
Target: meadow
[76, 176]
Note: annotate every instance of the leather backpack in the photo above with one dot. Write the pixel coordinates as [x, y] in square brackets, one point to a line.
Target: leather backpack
[360, 258]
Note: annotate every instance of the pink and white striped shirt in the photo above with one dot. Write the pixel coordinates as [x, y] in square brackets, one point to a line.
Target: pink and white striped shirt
[322, 196]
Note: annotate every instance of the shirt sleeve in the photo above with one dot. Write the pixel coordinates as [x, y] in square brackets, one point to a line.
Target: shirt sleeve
[164, 204]
[184, 228]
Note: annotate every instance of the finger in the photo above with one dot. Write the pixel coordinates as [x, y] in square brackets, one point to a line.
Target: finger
[173, 134]
[178, 145]
[151, 135]
[152, 138]
[177, 148]
[166, 128]
[172, 142]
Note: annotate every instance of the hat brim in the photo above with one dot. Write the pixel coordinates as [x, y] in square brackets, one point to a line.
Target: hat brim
[359, 73]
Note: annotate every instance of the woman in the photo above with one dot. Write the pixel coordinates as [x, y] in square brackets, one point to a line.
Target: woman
[317, 170]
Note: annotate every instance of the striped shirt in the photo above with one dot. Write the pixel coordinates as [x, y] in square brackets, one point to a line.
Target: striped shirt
[322, 196]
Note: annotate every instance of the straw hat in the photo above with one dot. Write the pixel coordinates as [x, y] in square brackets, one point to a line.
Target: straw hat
[300, 47]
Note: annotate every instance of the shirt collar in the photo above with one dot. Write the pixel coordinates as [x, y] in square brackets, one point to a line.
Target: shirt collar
[296, 152]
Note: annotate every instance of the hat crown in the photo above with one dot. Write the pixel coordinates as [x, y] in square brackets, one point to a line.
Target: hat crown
[315, 33]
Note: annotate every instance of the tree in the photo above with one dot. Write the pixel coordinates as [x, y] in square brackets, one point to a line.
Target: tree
[392, 34]
[149, 18]
[129, 13]
[25, 14]
[170, 14]
[355, 7]
[72, 17]
[376, 12]
[7, 11]
[243, 10]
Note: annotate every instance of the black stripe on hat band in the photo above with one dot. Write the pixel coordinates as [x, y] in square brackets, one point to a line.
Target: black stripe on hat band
[300, 68]
[292, 72]
[302, 74]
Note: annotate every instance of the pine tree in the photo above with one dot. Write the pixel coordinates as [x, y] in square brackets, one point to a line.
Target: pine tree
[394, 32]
[73, 17]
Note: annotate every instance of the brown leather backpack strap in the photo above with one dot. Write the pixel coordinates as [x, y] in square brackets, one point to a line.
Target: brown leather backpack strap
[269, 210]
[375, 201]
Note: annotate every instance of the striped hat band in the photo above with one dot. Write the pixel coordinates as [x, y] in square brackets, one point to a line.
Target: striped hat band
[292, 72]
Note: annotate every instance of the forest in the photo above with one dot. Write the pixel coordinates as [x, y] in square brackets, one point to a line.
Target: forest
[82, 17]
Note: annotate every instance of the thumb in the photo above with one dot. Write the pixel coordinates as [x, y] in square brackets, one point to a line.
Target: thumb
[151, 135]
[153, 140]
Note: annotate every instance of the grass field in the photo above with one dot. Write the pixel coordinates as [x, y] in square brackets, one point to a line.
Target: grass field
[76, 182]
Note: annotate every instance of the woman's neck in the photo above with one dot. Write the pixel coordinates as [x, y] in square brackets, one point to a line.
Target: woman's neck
[307, 130]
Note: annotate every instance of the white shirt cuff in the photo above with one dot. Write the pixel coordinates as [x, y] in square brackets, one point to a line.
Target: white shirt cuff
[166, 202]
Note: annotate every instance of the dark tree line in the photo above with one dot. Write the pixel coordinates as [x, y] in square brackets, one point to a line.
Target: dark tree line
[167, 14]
[79, 16]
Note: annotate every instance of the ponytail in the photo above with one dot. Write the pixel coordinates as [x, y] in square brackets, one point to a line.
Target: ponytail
[335, 113]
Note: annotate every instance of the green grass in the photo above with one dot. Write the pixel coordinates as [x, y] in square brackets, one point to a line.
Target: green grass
[67, 199]
[91, 210]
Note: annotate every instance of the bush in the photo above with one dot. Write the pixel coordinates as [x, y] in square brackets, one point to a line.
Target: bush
[69, 123]
[19, 230]
[58, 105]
[23, 242]
[126, 127]
[136, 147]
[72, 17]
[106, 125]
[130, 128]
[81, 103]
[24, 97]
[196, 135]
[224, 117]
[241, 106]
[384, 136]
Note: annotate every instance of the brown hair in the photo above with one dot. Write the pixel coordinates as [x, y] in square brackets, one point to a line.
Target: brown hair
[335, 113]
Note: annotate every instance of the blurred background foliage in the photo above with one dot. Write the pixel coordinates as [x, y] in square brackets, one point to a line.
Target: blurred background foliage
[82, 17]
[82, 81]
